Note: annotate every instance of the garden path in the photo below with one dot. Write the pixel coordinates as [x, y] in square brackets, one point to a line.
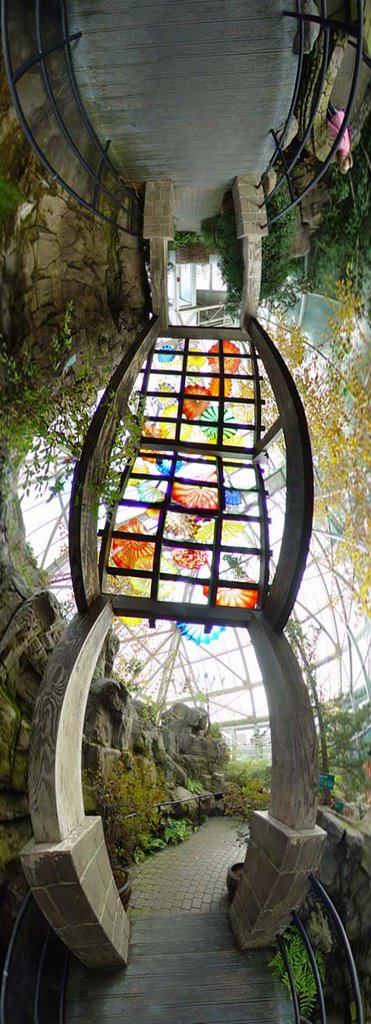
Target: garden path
[183, 966]
[189, 877]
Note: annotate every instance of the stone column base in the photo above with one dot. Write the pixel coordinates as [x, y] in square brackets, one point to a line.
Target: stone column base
[274, 879]
[159, 210]
[250, 211]
[74, 886]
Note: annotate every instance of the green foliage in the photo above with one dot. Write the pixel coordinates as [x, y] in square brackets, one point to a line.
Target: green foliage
[346, 758]
[248, 771]
[124, 796]
[277, 262]
[184, 238]
[45, 426]
[176, 830]
[148, 846]
[248, 787]
[236, 803]
[194, 787]
[10, 198]
[342, 244]
[219, 235]
[215, 732]
[301, 969]
[339, 753]
[149, 709]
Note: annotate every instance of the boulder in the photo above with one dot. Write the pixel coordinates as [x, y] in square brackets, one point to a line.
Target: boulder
[174, 773]
[181, 717]
[270, 181]
[97, 758]
[290, 134]
[345, 872]
[186, 805]
[311, 28]
[110, 715]
[301, 243]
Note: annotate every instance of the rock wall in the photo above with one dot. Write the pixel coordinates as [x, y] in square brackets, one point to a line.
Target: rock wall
[54, 252]
[179, 743]
[345, 872]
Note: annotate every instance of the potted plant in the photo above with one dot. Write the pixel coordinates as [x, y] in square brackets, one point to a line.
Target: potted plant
[121, 876]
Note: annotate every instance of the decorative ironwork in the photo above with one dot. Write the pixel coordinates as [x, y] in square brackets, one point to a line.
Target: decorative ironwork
[37, 50]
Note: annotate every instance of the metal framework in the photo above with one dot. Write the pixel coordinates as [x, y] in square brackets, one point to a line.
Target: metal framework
[192, 447]
[38, 58]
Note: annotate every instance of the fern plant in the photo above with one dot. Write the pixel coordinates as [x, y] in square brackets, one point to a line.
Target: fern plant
[301, 969]
[177, 829]
[195, 787]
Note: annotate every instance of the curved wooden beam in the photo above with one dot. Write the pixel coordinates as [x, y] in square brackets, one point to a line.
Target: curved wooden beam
[66, 864]
[293, 735]
[55, 788]
[91, 470]
[299, 481]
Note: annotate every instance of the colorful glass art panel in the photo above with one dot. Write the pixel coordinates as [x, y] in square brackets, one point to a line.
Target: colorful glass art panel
[190, 530]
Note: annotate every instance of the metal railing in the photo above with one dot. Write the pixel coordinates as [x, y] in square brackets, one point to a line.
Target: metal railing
[343, 942]
[160, 807]
[35, 970]
[354, 31]
[38, 59]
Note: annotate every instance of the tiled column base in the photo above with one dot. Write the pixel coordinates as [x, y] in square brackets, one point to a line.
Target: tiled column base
[73, 884]
[252, 272]
[247, 199]
[274, 879]
[159, 210]
[159, 258]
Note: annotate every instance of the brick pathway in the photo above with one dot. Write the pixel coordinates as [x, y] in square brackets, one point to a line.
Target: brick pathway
[190, 876]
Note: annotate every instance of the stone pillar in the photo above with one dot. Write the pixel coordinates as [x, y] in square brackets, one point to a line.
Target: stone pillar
[66, 864]
[251, 224]
[159, 226]
[159, 210]
[285, 842]
[73, 884]
[274, 879]
[248, 198]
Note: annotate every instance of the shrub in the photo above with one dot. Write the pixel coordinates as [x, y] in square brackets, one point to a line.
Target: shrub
[177, 829]
[341, 246]
[277, 262]
[124, 796]
[219, 234]
[236, 804]
[246, 771]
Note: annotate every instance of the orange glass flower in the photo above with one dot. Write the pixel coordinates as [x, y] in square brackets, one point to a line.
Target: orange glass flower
[189, 558]
[193, 406]
[230, 365]
[230, 597]
[215, 387]
[196, 496]
[125, 552]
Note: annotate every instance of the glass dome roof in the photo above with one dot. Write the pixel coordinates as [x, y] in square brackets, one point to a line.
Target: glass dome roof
[225, 674]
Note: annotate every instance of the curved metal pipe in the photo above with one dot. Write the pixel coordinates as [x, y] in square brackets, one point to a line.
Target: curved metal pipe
[320, 998]
[318, 888]
[314, 110]
[334, 148]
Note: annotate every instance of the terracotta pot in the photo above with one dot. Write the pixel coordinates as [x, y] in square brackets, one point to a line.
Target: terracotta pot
[233, 877]
[125, 893]
[123, 884]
